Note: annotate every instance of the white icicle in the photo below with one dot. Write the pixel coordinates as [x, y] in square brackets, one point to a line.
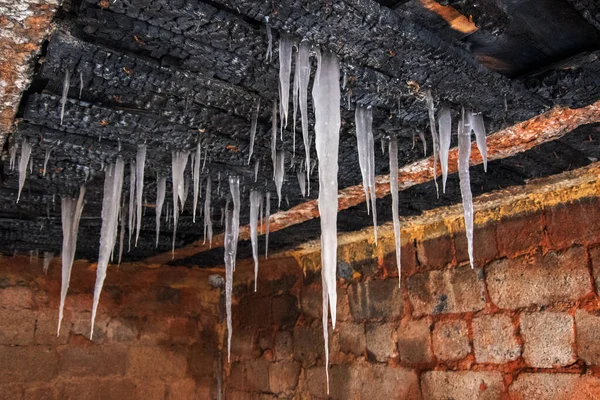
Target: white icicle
[325, 322]
[71, 210]
[229, 254]
[295, 92]
[286, 43]
[132, 204]
[302, 181]
[477, 125]
[65, 93]
[279, 174]
[255, 198]
[140, 164]
[13, 155]
[274, 136]
[464, 154]
[261, 208]
[303, 68]
[253, 125]
[326, 97]
[366, 158]
[30, 165]
[179, 161]
[208, 231]
[434, 137]
[445, 128]
[46, 159]
[121, 234]
[256, 164]
[393, 154]
[423, 142]
[48, 256]
[267, 220]
[234, 189]
[23, 164]
[161, 189]
[113, 185]
[196, 178]
[186, 192]
[269, 54]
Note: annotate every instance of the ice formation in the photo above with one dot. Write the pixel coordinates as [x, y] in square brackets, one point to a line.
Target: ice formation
[302, 181]
[186, 192]
[445, 130]
[464, 153]
[255, 198]
[13, 155]
[140, 164]
[279, 174]
[286, 43]
[303, 71]
[393, 154]
[46, 159]
[71, 210]
[229, 254]
[23, 163]
[478, 127]
[253, 129]
[179, 161]
[326, 97]
[434, 137]
[274, 136]
[256, 165]
[48, 256]
[113, 185]
[131, 213]
[161, 189]
[267, 220]
[196, 179]
[121, 235]
[234, 189]
[65, 93]
[269, 54]
[366, 158]
[208, 231]
[423, 142]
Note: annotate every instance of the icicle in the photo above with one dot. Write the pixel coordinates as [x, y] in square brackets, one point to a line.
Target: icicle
[179, 161]
[260, 212]
[186, 192]
[205, 157]
[295, 92]
[23, 163]
[274, 137]
[366, 158]
[256, 164]
[208, 231]
[344, 80]
[303, 67]
[267, 220]
[326, 97]
[464, 153]
[302, 181]
[424, 142]
[121, 234]
[434, 137]
[46, 158]
[71, 210]
[393, 154]
[196, 178]
[382, 146]
[161, 189]
[48, 256]
[13, 155]
[253, 129]
[30, 165]
[445, 127]
[219, 184]
[65, 93]
[234, 189]
[269, 55]
[285, 68]
[132, 212]
[229, 253]
[279, 174]
[325, 322]
[255, 198]
[113, 185]
[477, 125]
[80, 83]
[140, 164]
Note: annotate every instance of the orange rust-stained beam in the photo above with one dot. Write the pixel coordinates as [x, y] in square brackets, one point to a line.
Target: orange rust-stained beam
[520, 137]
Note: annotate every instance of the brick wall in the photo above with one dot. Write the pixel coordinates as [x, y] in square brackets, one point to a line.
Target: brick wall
[156, 334]
[524, 324]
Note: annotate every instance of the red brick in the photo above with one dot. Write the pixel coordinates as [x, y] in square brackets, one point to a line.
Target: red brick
[414, 341]
[22, 364]
[202, 358]
[518, 235]
[375, 300]
[122, 331]
[448, 291]
[350, 338]
[149, 390]
[97, 389]
[283, 376]
[284, 345]
[494, 339]
[284, 310]
[462, 385]
[384, 382]
[11, 391]
[17, 327]
[450, 340]
[340, 382]
[311, 301]
[308, 344]
[42, 392]
[45, 329]
[588, 337]
[92, 359]
[181, 389]
[256, 375]
[574, 223]
[243, 344]
[595, 257]
[153, 362]
[380, 343]
[16, 297]
[253, 311]
[485, 247]
[549, 339]
[537, 279]
[554, 386]
[435, 253]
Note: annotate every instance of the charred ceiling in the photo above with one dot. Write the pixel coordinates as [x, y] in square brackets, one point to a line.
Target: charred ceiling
[171, 73]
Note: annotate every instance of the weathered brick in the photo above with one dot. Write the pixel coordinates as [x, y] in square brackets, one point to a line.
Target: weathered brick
[448, 291]
[375, 300]
[349, 338]
[284, 310]
[253, 311]
[45, 329]
[494, 339]
[556, 386]
[202, 358]
[462, 385]
[311, 301]
[340, 382]
[384, 382]
[256, 375]
[517, 235]
[155, 361]
[243, 344]
[570, 223]
[549, 338]
[414, 341]
[484, 245]
[436, 252]
[154, 389]
[380, 343]
[181, 389]
[588, 337]
[21, 364]
[284, 345]
[308, 344]
[92, 388]
[11, 391]
[539, 279]
[283, 376]
[450, 340]
[89, 359]
[81, 325]
[16, 297]
[595, 256]
[17, 327]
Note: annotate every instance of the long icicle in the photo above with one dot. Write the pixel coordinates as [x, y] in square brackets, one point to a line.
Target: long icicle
[267, 221]
[274, 137]
[393, 154]
[326, 97]
[434, 137]
[464, 154]
[46, 159]
[179, 161]
[140, 165]
[65, 93]
[113, 185]
[303, 67]
[255, 198]
[196, 178]
[253, 125]
[286, 43]
[279, 174]
[208, 231]
[71, 210]
[445, 127]
[161, 189]
[477, 125]
[366, 156]
[131, 212]
[229, 267]
[23, 164]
